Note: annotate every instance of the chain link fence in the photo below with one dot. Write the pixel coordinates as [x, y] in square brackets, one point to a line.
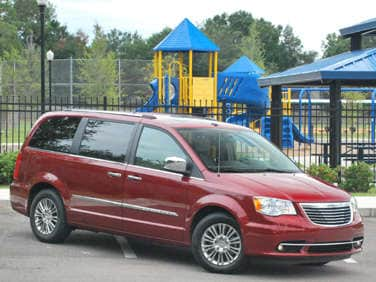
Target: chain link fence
[75, 77]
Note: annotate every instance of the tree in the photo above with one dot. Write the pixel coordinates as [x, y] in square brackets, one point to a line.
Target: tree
[21, 72]
[335, 44]
[71, 46]
[98, 70]
[252, 47]
[23, 16]
[292, 53]
[8, 38]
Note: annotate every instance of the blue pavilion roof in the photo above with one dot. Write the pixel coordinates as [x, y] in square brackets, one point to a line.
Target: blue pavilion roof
[186, 36]
[350, 67]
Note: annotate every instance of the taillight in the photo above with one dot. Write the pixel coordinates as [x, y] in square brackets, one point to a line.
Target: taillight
[17, 166]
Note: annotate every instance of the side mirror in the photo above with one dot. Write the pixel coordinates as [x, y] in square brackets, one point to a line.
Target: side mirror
[178, 165]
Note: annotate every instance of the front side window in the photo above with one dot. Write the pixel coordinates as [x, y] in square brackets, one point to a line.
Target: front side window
[106, 140]
[154, 147]
[236, 151]
[56, 134]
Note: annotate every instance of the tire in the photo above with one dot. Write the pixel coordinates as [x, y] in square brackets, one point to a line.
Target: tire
[47, 217]
[217, 244]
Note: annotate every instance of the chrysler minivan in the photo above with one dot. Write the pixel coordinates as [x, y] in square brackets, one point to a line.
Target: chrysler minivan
[220, 189]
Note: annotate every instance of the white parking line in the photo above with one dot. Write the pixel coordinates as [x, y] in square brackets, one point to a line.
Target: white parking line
[350, 260]
[125, 248]
[4, 194]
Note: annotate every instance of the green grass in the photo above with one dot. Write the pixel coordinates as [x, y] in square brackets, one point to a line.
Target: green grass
[16, 133]
[4, 186]
[367, 194]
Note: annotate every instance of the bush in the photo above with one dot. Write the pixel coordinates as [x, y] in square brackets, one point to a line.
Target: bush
[324, 172]
[7, 162]
[357, 178]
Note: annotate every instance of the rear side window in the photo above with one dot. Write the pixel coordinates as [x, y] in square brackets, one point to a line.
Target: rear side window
[106, 140]
[56, 134]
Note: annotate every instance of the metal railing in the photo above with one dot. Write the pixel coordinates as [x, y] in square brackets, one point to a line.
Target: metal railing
[305, 131]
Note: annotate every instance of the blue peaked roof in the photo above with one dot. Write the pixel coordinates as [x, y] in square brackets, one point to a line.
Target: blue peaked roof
[186, 36]
[244, 65]
[368, 26]
[350, 67]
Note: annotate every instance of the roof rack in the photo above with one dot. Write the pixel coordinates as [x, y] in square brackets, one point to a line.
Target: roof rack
[133, 114]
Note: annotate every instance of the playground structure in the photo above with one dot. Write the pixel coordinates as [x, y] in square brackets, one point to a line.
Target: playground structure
[176, 86]
[184, 40]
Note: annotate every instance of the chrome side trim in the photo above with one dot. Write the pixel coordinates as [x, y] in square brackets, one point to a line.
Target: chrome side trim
[128, 206]
[163, 171]
[321, 244]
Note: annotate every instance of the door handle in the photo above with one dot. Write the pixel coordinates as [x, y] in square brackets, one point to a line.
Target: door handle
[114, 174]
[134, 178]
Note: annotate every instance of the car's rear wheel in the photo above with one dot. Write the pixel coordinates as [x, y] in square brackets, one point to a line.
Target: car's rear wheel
[47, 217]
[217, 244]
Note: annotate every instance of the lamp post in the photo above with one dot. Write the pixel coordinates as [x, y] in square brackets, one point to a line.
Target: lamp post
[42, 6]
[50, 57]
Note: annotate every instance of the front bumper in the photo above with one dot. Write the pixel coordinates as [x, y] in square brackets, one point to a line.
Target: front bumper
[295, 239]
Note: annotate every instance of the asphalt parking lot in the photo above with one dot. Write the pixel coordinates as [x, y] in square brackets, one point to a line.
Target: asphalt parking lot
[88, 256]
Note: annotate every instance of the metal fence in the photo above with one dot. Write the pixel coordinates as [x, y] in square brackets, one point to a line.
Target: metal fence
[305, 130]
[70, 77]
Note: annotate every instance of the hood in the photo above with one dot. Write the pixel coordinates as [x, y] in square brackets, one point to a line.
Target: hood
[297, 187]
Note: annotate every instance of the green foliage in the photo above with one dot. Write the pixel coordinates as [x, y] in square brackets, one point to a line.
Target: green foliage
[21, 73]
[335, 44]
[324, 172]
[357, 177]
[8, 38]
[251, 46]
[7, 162]
[275, 47]
[98, 69]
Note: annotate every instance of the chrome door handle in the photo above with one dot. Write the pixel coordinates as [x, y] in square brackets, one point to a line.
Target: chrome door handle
[114, 174]
[134, 177]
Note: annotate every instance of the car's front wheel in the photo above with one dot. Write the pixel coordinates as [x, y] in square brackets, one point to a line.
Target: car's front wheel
[217, 244]
[47, 217]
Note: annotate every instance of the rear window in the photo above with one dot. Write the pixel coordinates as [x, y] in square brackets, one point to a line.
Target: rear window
[56, 134]
[106, 140]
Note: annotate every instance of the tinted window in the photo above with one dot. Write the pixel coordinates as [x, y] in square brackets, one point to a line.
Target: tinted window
[106, 140]
[236, 151]
[154, 147]
[56, 134]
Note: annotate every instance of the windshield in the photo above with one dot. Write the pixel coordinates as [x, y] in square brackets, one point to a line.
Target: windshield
[237, 151]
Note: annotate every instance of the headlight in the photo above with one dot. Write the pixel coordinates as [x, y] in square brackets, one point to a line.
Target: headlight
[354, 204]
[273, 206]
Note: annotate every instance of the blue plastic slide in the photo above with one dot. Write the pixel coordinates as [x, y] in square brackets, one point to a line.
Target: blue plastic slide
[153, 101]
[299, 136]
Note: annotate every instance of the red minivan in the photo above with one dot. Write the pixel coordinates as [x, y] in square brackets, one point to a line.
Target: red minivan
[221, 189]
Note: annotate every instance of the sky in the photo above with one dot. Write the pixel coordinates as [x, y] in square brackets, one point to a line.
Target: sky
[311, 20]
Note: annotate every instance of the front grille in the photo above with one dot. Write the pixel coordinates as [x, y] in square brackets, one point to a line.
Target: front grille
[328, 214]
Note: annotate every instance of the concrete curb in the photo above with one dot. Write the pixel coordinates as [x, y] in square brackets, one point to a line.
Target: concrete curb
[367, 205]
[368, 212]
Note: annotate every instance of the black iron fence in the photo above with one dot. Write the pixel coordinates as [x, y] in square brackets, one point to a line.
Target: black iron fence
[305, 128]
